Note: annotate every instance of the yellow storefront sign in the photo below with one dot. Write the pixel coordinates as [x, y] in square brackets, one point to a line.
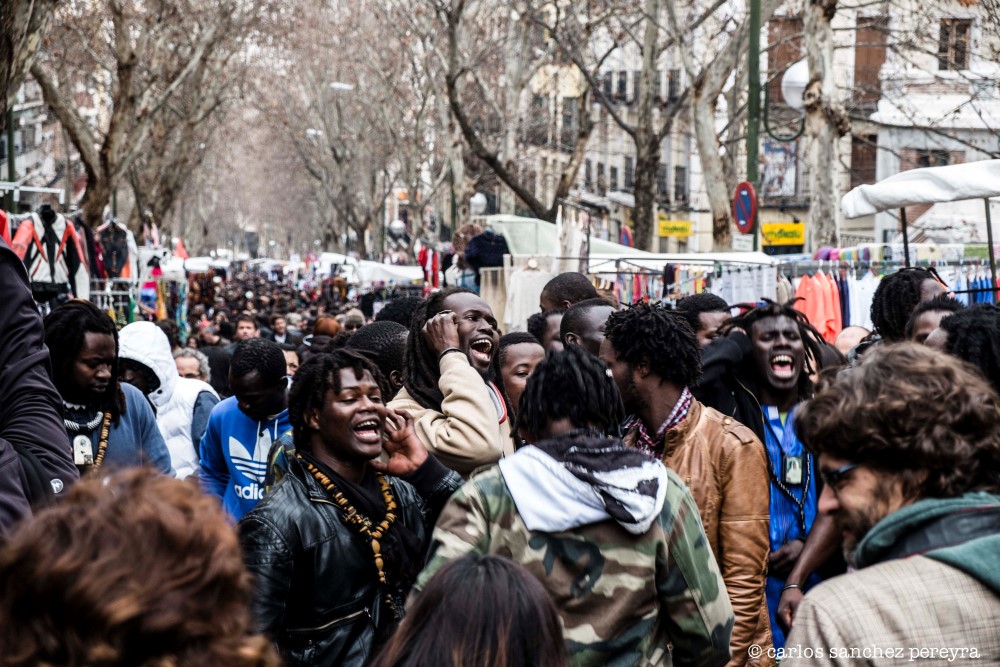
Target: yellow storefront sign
[676, 228]
[783, 233]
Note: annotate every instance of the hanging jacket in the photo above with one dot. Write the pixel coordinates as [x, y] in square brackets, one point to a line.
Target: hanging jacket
[182, 404]
[52, 253]
[119, 252]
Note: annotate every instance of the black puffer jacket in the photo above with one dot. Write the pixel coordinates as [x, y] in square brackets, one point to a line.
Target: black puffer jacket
[316, 589]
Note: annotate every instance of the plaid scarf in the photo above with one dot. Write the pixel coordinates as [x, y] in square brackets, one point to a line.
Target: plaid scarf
[654, 446]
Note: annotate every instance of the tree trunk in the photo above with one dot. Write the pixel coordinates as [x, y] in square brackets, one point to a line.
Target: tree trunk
[647, 141]
[712, 168]
[825, 123]
[22, 23]
[646, 163]
[95, 199]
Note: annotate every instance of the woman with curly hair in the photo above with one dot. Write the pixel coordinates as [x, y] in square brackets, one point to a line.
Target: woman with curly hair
[133, 570]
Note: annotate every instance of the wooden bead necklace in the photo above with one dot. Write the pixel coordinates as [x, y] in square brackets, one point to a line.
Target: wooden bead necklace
[353, 517]
[102, 443]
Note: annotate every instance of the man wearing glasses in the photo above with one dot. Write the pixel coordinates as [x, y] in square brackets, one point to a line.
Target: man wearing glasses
[908, 445]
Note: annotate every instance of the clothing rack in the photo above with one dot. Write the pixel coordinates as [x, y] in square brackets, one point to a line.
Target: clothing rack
[799, 269]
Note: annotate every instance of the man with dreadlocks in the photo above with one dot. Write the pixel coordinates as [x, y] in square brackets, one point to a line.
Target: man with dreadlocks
[336, 545]
[109, 422]
[611, 533]
[765, 376]
[720, 460]
[452, 371]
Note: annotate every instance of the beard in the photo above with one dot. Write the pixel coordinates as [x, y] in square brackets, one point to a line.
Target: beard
[632, 399]
[854, 524]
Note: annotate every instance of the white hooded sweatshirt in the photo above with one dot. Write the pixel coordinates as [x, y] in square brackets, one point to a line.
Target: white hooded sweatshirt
[174, 399]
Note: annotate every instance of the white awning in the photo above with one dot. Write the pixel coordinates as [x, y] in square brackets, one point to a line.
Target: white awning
[972, 180]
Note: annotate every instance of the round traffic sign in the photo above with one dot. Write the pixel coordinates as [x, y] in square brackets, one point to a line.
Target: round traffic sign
[745, 207]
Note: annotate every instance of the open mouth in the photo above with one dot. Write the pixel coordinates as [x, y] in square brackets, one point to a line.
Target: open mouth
[368, 431]
[783, 366]
[482, 350]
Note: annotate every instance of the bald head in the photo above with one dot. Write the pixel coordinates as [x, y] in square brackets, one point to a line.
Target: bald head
[850, 337]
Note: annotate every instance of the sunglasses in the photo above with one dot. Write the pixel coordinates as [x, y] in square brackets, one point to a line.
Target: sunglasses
[834, 478]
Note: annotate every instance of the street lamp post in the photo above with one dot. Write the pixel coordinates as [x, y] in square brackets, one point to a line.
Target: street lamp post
[753, 104]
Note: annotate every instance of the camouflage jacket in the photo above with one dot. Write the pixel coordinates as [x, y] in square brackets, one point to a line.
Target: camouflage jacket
[623, 599]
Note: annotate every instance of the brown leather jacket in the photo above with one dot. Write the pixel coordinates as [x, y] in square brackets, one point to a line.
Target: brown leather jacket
[725, 466]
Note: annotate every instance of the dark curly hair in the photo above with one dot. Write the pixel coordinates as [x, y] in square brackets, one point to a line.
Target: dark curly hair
[572, 384]
[895, 298]
[316, 377]
[939, 304]
[261, 356]
[653, 334]
[921, 415]
[704, 302]
[815, 346]
[974, 337]
[515, 338]
[539, 323]
[574, 319]
[134, 569]
[384, 342]
[66, 329]
[400, 310]
[570, 286]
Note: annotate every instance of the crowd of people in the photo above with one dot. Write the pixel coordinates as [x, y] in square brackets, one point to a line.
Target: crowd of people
[300, 482]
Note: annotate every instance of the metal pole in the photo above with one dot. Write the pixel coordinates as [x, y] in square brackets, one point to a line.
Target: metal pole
[989, 239]
[753, 102]
[11, 159]
[906, 237]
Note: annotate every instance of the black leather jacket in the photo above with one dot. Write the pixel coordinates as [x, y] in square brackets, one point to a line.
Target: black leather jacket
[315, 585]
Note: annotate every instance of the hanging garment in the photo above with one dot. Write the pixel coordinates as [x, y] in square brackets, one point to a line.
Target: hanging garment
[119, 252]
[5, 226]
[523, 292]
[52, 254]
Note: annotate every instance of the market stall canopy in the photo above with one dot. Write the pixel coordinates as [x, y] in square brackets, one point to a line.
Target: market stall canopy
[374, 272]
[972, 180]
[198, 264]
[530, 236]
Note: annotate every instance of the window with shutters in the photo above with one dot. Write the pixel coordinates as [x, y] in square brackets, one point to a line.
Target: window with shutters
[673, 85]
[607, 83]
[629, 174]
[662, 193]
[588, 172]
[953, 45]
[613, 184]
[622, 90]
[680, 184]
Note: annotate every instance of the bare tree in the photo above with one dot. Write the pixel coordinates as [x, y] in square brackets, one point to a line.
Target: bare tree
[500, 41]
[22, 23]
[124, 62]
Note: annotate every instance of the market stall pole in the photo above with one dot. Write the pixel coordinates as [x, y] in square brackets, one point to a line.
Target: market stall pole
[931, 185]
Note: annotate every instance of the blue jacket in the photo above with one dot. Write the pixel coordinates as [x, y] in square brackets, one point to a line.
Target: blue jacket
[136, 440]
[234, 455]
